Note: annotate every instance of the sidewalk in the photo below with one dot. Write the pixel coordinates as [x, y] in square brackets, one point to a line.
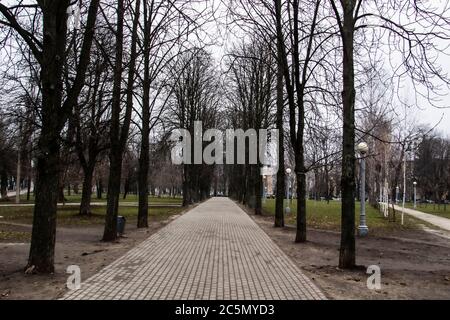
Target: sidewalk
[214, 251]
[11, 194]
[440, 222]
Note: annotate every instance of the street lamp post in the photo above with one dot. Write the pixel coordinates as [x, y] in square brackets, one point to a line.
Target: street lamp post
[288, 172]
[363, 230]
[264, 189]
[415, 194]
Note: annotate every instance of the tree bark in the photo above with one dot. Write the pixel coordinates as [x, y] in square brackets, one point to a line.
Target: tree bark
[99, 189]
[54, 116]
[258, 191]
[300, 174]
[115, 156]
[44, 219]
[42, 248]
[86, 192]
[280, 187]
[144, 156]
[143, 181]
[4, 184]
[347, 258]
[61, 197]
[28, 188]
[126, 187]
[119, 134]
[186, 196]
[18, 175]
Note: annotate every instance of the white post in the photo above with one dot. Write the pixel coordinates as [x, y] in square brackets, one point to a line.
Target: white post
[18, 177]
[404, 186]
[288, 208]
[386, 196]
[292, 179]
[381, 198]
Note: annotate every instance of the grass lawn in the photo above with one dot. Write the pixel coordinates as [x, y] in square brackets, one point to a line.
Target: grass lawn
[327, 216]
[14, 236]
[130, 198]
[68, 216]
[438, 210]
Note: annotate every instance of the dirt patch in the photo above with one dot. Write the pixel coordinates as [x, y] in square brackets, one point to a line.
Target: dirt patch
[79, 245]
[414, 264]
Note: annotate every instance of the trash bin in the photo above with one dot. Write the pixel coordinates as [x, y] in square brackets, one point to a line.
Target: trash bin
[121, 225]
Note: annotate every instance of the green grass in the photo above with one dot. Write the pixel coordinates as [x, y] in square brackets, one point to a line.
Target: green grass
[438, 210]
[327, 216]
[14, 236]
[69, 215]
[130, 198]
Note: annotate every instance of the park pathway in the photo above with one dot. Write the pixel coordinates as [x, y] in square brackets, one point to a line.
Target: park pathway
[440, 222]
[214, 251]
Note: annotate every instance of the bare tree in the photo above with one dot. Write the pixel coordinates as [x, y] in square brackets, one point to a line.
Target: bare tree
[414, 46]
[119, 131]
[252, 80]
[195, 97]
[49, 52]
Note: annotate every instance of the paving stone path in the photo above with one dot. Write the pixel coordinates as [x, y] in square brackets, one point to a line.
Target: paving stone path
[215, 251]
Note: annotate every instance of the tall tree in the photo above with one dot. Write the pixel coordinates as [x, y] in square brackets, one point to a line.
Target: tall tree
[50, 54]
[195, 97]
[119, 132]
[280, 187]
[411, 33]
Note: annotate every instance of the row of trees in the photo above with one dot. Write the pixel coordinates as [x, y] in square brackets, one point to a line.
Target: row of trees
[100, 90]
[328, 53]
[98, 77]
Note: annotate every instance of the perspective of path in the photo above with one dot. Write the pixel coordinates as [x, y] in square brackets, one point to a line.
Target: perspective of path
[214, 251]
[224, 150]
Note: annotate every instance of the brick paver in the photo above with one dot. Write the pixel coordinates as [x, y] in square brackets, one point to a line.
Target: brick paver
[214, 251]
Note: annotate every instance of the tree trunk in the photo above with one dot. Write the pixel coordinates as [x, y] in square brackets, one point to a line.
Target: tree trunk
[250, 186]
[18, 175]
[279, 202]
[186, 188]
[126, 187]
[143, 179]
[258, 191]
[110, 232]
[115, 156]
[86, 192]
[347, 258]
[28, 188]
[301, 207]
[61, 197]
[4, 184]
[42, 247]
[99, 189]
[44, 219]
[119, 134]
[144, 156]
[54, 116]
[301, 176]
